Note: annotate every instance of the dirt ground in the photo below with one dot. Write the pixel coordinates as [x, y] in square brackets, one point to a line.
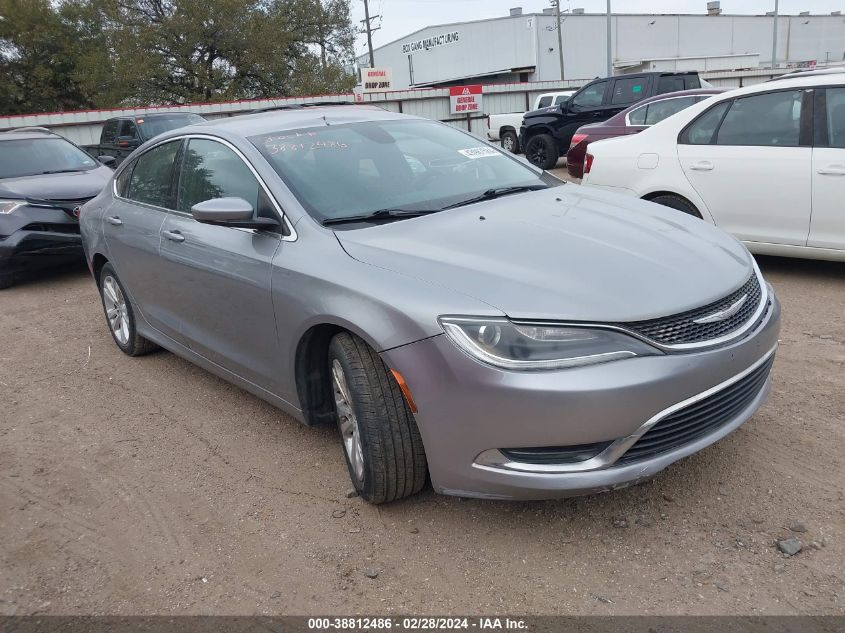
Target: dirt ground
[148, 486]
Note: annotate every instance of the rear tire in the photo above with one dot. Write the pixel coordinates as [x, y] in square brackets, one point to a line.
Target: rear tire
[677, 202]
[382, 444]
[510, 142]
[120, 315]
[541, 150]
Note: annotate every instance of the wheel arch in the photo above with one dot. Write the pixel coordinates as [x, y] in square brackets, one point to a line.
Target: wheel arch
[696, 203]
[97, 262]
[532, 131]
[311, 370]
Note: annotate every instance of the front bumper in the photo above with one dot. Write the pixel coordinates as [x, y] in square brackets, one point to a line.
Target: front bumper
[467, 411]
[34, 237]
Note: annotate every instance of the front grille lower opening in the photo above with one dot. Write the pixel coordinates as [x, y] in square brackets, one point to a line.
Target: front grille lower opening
[699, 418]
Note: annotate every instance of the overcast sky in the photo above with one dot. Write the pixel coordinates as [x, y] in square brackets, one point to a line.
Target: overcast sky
[401, 17]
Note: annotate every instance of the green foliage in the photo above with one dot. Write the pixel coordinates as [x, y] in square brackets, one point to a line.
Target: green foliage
[108, 53]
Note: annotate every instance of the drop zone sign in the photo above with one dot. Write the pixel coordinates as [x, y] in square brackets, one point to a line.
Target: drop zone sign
[465, 99]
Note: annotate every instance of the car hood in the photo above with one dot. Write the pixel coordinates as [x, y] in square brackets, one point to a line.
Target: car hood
[69, 186]
[567, 253]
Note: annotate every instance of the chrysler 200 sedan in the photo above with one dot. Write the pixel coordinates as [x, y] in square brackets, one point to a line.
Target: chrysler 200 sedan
[457, 313]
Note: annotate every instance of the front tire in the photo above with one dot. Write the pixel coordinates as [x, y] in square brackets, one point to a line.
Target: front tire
[382, 444]
[541, 150]
[120, 315]
[676, 202]
[509, 141]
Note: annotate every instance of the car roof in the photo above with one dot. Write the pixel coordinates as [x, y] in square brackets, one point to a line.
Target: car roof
[16, 135]
[154, 115]
[810, 73]
[800, 80]
[292, 119]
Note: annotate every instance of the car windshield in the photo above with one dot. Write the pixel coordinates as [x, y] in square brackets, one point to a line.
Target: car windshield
[35, 156]
[160, 124]
[355, 169]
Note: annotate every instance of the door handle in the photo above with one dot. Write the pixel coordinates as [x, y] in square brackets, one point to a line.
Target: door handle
[702, 165]
[114, 220]
[833, 170]
[173, 236]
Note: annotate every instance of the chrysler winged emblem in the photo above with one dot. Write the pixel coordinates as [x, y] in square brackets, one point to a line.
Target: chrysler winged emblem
[721, 315]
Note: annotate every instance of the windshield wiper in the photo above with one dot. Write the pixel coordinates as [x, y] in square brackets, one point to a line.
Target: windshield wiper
[59, 171]
[380, 215]
[497, 192]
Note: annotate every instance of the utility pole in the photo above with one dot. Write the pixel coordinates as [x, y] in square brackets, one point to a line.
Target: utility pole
[775, 36]
[559, 27]
[609, 54]
[367, 22]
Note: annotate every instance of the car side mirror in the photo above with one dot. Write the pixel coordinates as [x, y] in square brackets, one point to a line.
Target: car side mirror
[128, 141]
[108, 161]
[234, 212]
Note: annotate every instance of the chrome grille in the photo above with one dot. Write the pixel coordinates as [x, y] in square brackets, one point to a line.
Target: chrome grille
[699, 418]
[681, 328]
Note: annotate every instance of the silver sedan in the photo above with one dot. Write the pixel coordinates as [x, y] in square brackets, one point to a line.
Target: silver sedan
[457, 313]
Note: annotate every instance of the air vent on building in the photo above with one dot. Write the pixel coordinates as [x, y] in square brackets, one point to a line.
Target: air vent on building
[516, 11]
[714, 8]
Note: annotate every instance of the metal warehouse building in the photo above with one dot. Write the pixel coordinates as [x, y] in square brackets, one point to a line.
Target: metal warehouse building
[524, 47]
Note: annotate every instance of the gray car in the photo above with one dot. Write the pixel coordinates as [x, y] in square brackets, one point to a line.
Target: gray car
[456, 312]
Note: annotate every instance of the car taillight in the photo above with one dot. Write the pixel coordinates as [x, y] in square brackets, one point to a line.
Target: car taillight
[577, 138]
[588, 163]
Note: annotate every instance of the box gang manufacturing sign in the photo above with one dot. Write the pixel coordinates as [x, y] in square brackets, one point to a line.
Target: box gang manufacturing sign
[376, 79]
[430, 42]
[465, 99]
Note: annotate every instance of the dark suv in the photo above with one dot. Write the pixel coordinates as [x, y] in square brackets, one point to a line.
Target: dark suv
[545, 133]
[122, 134]
[44, 180]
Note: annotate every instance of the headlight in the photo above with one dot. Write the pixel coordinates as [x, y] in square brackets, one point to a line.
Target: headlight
[9, 206]
[508, 345]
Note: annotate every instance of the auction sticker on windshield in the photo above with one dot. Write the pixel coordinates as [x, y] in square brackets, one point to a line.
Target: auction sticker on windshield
[478, 152]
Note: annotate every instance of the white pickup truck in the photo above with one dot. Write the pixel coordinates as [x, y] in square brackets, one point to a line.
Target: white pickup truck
[505, 127]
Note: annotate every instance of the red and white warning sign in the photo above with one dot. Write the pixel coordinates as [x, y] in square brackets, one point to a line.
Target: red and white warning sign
[465, 99]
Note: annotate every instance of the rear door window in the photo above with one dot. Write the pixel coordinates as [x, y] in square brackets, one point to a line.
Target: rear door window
[152, 177]
[771, 119]
[670, 83]
[659, 110]
[544, 102]
[627, 91]
[835, 117]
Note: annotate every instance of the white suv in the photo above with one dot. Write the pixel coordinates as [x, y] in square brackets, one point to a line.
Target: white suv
[766, 163]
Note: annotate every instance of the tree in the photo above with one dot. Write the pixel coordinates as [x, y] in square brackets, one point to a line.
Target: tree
[170, 51]
[72, 54]
[41, 49]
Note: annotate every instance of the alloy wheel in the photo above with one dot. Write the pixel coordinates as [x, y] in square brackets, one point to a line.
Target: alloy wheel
[116, 310]
[348, 423]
